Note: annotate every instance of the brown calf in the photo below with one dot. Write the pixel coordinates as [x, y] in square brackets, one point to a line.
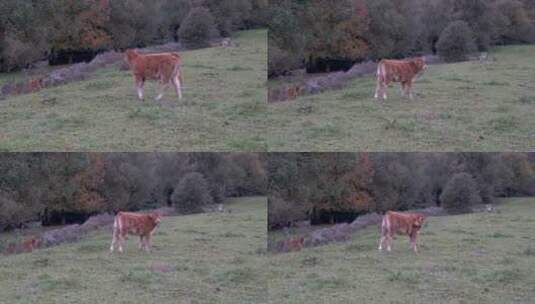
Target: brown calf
[27, 245]
[402, 71]
[164, 67]
[137, 224]
[401, 223]
[296, 244]
[30, 245]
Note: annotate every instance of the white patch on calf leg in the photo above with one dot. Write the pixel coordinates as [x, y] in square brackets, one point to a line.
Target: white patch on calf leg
[389, 239]
[140, 242]
[113, 241]
[381, 243]
[162, 90]
[140, 93]
[178, 87]
[114, 234]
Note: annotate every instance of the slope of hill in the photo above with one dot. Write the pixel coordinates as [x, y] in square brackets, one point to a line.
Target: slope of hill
[204, 258]
[223, 107]
[469, 106]
[471, 258]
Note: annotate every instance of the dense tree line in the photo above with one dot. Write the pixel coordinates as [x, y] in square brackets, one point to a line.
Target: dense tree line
[55, 187]
[309, 32]
[33, 30]
[303, 185]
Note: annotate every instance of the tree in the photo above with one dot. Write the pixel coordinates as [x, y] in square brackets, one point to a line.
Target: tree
[198, 28]
[478, 15]
[460, 193]
[456, 42]
[132, 23]
[286, 41]
[172, 14]
[513, 25]
[335, 29]
[229, 15]
[191, 193]
[79, 24]
[391, 34]
[24, 31]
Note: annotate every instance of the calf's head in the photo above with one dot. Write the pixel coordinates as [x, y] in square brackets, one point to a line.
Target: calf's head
[130, 55]
[418, 221]
[420, 64]
[156, 218]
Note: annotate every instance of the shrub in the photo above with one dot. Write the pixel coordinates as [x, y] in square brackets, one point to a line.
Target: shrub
[281, 62]
[460, 193]
[198, 28]
[456, 42]
[282, 213]
[12, 213]
[191, 193]
[18, 54]
[132, 23]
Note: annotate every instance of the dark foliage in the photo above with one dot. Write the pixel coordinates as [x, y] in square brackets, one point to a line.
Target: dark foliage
[312, 32]
[32, 30]
[460, 193]
[191, 194]
[456, 42]
[336, 187]
[198, 28]
[63, 188]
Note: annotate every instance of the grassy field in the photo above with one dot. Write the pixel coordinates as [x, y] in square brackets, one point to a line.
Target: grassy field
[473, 258]
[206, 258]
[223, 108]
[458, 107]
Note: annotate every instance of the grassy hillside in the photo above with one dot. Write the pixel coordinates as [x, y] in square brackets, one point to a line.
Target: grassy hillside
[222, 110]
[473, 258]
[206, 258]
[465, 106]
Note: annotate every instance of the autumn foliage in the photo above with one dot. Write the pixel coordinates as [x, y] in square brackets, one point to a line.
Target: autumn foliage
[57, 188]
[328, 35]
[35, 30]
[341, 186]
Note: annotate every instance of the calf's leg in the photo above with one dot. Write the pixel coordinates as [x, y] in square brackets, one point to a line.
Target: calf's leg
[377, 88]
[403, 89]
[121, 237]
[113, 241]
[178, 86]
[381, 242]
[163, 87]
[414, 239]
[139, 87]
[141, 242]
[389, 240]
[147, 243]
[409, 89]
[383, 89]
